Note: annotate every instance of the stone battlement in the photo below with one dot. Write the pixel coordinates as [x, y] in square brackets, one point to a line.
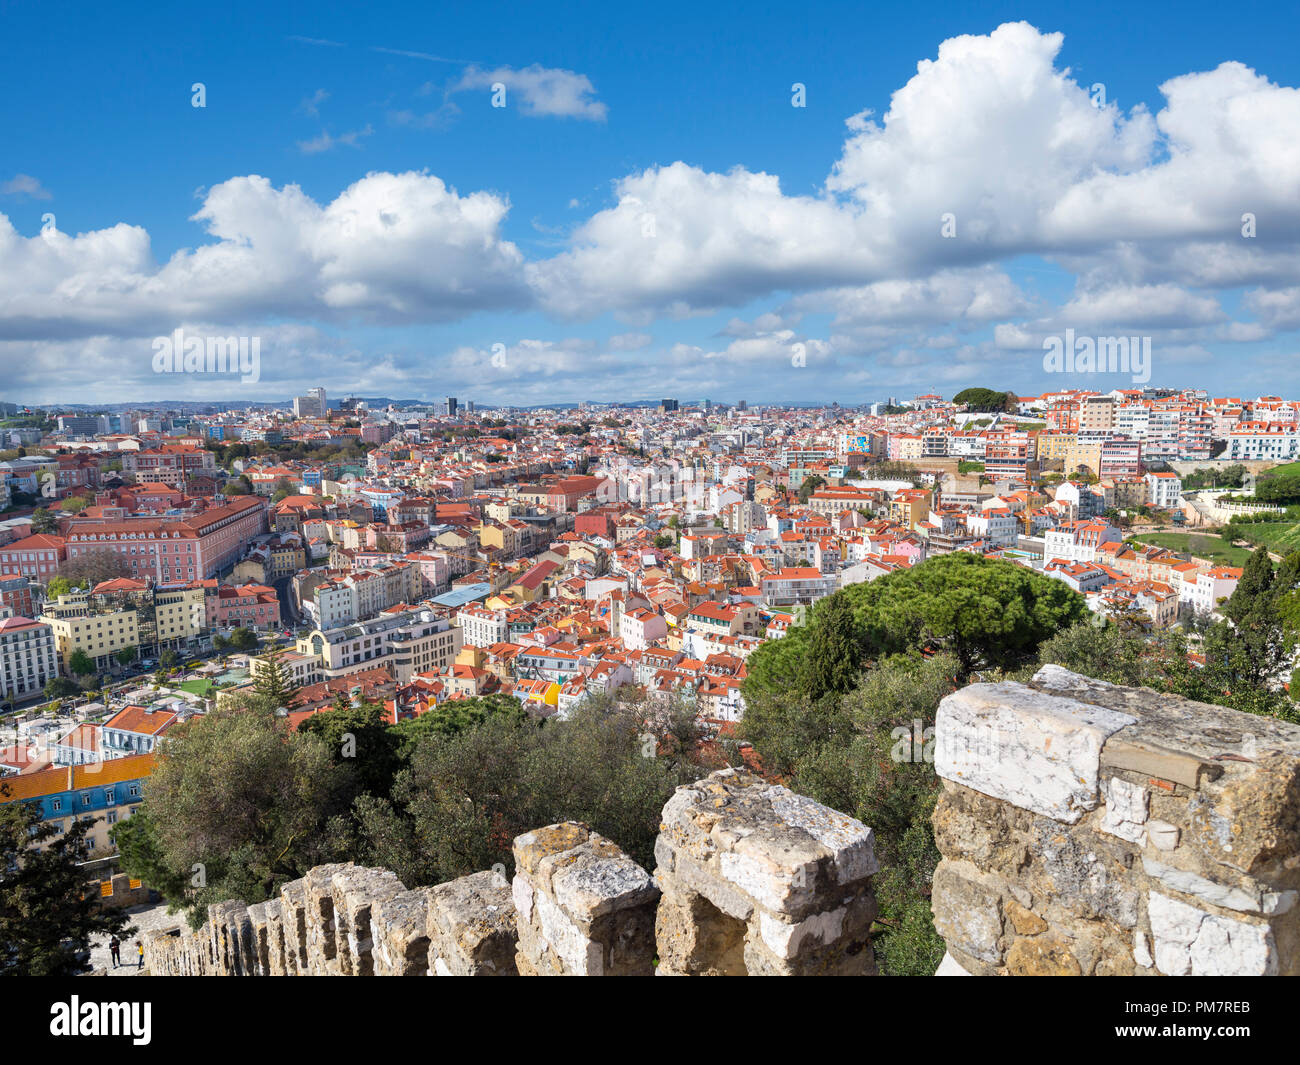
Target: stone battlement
[1092, 829]
[1084, 829]
[751, 879]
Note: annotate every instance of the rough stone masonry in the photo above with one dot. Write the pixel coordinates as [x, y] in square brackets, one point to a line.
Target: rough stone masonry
[1092, 829]
[751, 879]
[1085, 829]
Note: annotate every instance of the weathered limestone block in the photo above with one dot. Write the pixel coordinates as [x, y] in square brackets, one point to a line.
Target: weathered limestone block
[321, 940]
[1127, 810]
[275, 947]
[167, 952]
[950, 967]
[400, 930]
[1092, 828]
[968, 911]
[293, 922]
[231, 939]
[584, 908]
[355, 892]
[473, 927]
[1009, 742]
[759, 880]
[259, 920]
[1192, 942]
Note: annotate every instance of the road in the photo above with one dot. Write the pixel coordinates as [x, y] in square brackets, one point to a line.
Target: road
[289, 615]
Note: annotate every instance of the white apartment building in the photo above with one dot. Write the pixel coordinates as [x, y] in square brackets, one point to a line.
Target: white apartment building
[482, 627]
[639, 628]
[797, 584]
[363, 594]
[407, 642]
[999, 526]
[1211, 588]
[1077, 541]
[1164, 490]
[1264, 440]
[27, 657]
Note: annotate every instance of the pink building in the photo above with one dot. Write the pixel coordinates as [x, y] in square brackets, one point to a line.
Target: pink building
[246, 606]
[172, 551]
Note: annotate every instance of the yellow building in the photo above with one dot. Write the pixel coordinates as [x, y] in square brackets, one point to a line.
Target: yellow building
[503, 537]
[1052, 447]
[180, 615]
[911, 506]
[98, 635]
[1087, 456]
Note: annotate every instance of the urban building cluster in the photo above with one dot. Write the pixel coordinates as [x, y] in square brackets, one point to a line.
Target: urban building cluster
[419, 554]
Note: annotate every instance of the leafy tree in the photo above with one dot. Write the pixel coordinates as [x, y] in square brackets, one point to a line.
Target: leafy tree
[988, 612]
[455, 716]
[832, 664]
[467, 794]
[1098, 648]
[808, 486]
[60, 688]
[47, 915]
[80, 663]
[361, 743]
[1281, 490]
[243, 640]
[126, 656]
[238, 805]
[57, 586]
[1254, 645]
[140, 856]
[43, 521]
[987, 399]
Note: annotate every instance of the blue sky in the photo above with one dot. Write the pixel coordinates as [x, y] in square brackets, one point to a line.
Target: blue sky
[648, 213]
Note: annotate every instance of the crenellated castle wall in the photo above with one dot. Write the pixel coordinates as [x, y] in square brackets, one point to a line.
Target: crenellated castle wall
[1098, 830]
[1085, 829]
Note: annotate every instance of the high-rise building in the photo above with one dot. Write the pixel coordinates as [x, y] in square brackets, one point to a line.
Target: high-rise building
[451, 406]
[667, 405]
[312, 405]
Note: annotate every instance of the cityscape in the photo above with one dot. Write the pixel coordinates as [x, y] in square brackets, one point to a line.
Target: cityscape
[859, 543]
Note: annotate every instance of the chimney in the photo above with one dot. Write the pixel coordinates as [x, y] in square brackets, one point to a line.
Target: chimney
[71, 777]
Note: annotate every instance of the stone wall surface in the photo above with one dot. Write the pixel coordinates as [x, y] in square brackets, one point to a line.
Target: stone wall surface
[1092, 829]
[1084, 828]
[751, 879]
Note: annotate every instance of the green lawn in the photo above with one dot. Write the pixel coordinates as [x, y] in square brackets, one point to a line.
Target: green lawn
[1290, 469]
[1214, 548]
[1280, 537]
[202, 688]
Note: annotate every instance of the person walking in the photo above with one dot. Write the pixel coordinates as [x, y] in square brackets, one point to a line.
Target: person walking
[115, 949]
[139, 949]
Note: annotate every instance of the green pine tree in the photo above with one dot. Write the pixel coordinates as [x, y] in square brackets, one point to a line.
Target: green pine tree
[47, 914]
[274, 684]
